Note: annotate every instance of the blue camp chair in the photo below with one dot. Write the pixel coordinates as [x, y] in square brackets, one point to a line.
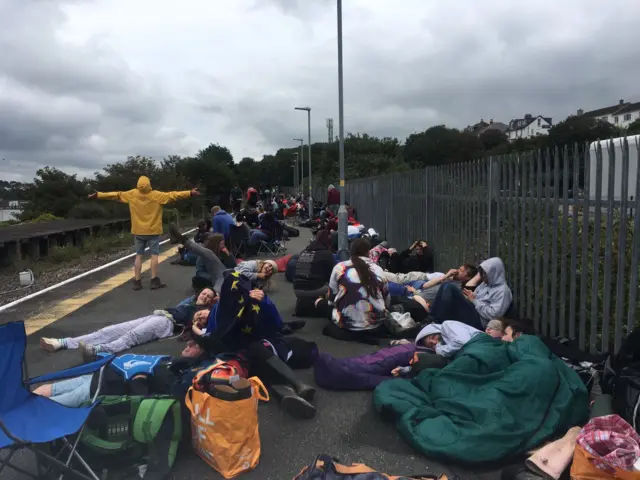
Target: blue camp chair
[28, 421]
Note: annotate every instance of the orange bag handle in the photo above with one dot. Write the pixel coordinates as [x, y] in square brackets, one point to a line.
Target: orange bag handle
[217, 365]
[261, 392]
[187, 401]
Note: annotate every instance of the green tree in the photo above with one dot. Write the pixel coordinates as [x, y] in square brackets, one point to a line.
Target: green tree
[634, 128]
[440, 145]
[54, 192]
[492, 139]
[579, 129]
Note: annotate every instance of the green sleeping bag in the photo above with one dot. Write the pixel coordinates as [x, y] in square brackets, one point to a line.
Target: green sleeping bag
[494, 400]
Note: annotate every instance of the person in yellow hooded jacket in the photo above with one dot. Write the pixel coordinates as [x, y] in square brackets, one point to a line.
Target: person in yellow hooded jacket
[145, 205]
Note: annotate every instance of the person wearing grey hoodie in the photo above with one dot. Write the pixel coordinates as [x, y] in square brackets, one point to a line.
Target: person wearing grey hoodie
[490, 300]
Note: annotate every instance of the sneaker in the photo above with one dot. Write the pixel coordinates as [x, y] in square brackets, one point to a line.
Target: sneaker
[89, 352]
[51, 344]
[175, 236]
[137, 284]
[156, 283]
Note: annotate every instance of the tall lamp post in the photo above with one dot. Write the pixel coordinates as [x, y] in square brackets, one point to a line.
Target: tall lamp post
[343, 216]
[295, 172]
[301, 165]
[308, 110]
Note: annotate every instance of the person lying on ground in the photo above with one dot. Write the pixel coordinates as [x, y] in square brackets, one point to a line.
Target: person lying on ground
[417, 258]
[247, 321]
[145, 206]
[187, 258]
[441, 342]
[416, 299]
[358, 296]
[210, 263]
[491, 299]
[259, 272]
[215, 242]
[169, 377]
[119, 337]
[221, 222]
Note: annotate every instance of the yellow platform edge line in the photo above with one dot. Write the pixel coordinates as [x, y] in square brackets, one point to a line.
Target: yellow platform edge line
[67, 306]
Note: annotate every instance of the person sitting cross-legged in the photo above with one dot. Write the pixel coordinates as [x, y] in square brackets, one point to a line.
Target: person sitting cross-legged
[358, 297]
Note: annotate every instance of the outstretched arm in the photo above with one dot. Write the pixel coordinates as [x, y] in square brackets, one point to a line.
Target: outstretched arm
[116, 196]
[168, 197]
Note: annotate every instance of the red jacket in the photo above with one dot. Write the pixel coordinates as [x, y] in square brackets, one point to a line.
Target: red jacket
[333, 196]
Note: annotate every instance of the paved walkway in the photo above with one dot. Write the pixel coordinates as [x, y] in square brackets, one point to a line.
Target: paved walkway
[346, 425]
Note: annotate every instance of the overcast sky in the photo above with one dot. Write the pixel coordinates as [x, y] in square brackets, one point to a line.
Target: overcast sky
[87, 82]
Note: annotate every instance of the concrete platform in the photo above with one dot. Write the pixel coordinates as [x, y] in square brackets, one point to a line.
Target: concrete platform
[346, 426]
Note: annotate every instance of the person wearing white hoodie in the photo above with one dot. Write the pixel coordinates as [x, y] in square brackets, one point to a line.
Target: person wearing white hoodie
[441, 342]
[490, 300]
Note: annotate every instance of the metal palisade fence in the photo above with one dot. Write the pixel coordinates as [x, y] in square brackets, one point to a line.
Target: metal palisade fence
[563, 221]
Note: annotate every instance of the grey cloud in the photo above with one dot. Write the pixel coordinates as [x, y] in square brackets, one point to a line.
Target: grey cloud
[58, 97]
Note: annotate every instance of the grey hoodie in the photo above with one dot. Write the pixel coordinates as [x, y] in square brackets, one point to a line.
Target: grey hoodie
[493, 298]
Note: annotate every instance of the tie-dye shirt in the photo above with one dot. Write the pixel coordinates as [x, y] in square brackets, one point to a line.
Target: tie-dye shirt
[354, 308]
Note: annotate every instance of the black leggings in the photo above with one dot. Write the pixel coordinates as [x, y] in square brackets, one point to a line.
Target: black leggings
[303, 355]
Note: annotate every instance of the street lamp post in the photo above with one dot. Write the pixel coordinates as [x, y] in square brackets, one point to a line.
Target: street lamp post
[301, 165]
[295, 172]
[308, 110]
[343, 216]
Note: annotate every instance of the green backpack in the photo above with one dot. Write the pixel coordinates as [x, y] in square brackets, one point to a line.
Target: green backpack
[139, 434]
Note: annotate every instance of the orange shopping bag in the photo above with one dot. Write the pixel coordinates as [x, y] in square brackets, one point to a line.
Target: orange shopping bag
[224, 424]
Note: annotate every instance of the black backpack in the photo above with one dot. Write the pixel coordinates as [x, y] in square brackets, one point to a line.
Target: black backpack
[621, 379]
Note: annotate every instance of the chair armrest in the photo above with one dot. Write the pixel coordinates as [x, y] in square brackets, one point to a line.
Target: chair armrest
[78, 371]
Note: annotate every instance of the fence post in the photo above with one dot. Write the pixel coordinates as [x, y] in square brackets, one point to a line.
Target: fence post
[492, 198]
[426, 206]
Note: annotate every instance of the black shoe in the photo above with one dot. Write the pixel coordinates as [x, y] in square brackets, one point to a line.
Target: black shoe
[175, 236]
[137, 284]
[293, 404]
[289, 378]
[156, 283]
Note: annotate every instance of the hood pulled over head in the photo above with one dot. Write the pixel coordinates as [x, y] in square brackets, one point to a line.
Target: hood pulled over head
[144, 184]
[494, 268]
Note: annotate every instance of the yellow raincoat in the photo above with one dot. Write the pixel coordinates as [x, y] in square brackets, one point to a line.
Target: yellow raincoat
[145, 205]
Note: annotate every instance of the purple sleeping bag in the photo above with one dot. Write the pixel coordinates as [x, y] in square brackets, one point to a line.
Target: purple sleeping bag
[361, 373]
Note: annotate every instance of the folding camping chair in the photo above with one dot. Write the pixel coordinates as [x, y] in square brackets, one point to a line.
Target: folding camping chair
[277, 245]
[29, 421]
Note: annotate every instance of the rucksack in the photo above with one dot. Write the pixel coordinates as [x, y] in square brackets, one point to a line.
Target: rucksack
[326, 467]
[139, 435]
[621, 379]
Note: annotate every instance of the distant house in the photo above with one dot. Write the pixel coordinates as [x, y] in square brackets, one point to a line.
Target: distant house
[621, 114]
[482, 126]
[528, 127]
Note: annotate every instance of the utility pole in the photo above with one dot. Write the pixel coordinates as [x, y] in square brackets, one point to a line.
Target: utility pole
[308, 110]
[301, 165]
[343, 216]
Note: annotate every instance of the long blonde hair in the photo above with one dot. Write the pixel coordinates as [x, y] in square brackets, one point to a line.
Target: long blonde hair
[274, 269]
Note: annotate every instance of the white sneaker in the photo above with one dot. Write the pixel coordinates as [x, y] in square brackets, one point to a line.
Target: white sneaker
[88, 352]
[51, 344]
